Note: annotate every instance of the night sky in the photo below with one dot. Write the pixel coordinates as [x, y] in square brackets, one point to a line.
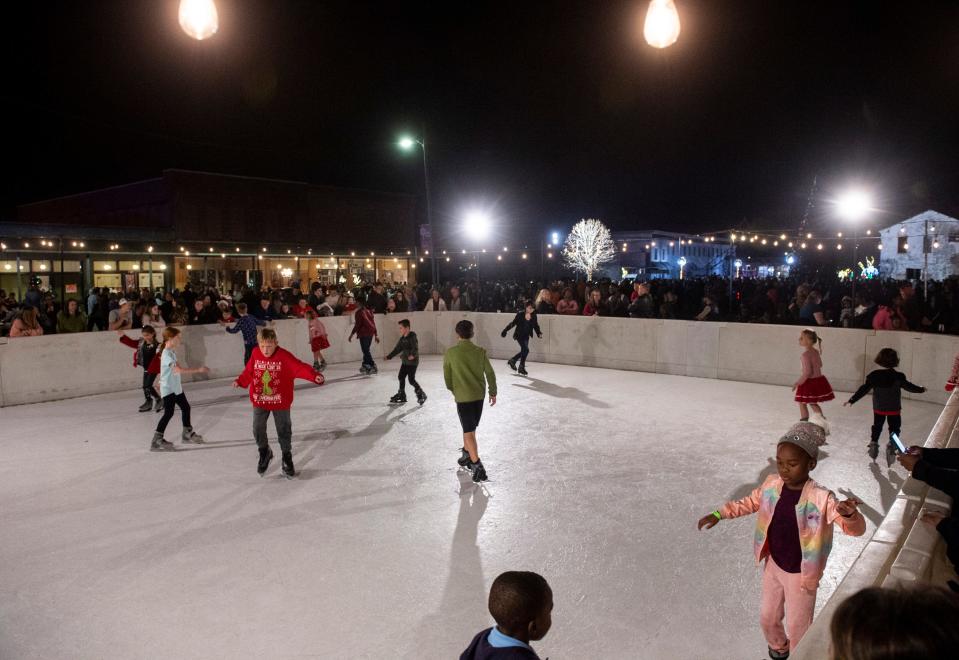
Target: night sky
[544, 112]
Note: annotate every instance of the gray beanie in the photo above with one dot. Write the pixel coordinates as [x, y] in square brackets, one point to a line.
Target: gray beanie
[807, 436]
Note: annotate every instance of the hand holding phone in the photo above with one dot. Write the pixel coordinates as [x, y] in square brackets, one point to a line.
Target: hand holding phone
[902, 447]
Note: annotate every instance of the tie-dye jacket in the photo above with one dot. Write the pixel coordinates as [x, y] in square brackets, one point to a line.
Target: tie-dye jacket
[815, 513]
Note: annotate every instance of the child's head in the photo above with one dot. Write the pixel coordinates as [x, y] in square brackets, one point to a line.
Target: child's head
[809, 338]
[887, 358]
[241, 309]
[171, 337]
[464, 330]
[798, 451]
[148, 333]
[915, 622]
[521, 603]
[404, 327]
[267, 342]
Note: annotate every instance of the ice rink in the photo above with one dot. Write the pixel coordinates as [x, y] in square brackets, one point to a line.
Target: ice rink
[379, 549]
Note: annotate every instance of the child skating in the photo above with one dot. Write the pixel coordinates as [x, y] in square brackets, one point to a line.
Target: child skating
[812, 388]
[408, 348]
[319, 340]
[793, 535]
[364, 327]
[466, 371]
[269, 375]
[246, 325]
[171, 389]
[521, 604]
[145, 354]
[526, 324]
[886, 385]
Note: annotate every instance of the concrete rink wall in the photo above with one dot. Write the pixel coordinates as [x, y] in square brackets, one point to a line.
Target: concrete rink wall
[38, 369]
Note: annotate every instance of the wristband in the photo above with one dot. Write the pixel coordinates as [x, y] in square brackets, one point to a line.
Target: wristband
[718, 515]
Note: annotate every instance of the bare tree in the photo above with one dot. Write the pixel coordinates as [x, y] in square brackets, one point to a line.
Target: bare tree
[588, 246]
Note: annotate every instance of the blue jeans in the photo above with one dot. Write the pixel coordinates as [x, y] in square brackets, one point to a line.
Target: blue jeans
[523, 351]
[365, 343]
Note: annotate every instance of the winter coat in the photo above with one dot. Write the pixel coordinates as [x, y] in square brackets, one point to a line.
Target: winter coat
[524, 329]
[407, 347]
[886, 386]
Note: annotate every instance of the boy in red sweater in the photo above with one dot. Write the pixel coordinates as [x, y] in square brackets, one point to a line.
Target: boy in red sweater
[269, 375]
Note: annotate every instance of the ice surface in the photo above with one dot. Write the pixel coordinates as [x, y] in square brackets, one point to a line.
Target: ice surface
[376, 550]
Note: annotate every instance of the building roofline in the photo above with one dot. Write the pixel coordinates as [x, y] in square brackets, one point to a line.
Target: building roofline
[90, 192]
[287, 182]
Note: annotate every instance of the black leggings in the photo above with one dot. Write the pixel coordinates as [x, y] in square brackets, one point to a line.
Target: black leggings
[148, 390]
[409, 371]
[169, 401]
[895, 425]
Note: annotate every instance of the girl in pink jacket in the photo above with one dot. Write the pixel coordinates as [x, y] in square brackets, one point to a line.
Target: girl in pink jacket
[793, 535]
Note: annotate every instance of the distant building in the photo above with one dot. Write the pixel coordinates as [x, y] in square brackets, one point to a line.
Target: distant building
[655, 254]
[903, 254]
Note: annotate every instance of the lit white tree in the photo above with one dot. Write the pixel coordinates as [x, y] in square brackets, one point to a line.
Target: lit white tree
[588, 246]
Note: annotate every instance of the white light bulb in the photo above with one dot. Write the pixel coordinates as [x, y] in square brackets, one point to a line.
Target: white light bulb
[198, 18]
[661, 28]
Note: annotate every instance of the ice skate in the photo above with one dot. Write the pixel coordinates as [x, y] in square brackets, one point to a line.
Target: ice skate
[322, 366]
[266, 455]
[420, 397]
[523, 372]
[374, 370]
[146, 407]
[288, 471]
[189, 436]
[873, 450]
[159, 444]
[778, 655]
[365, 370]
[479, 472]
[891, 452]
[399, 397]
[464, 460]
[158, 406]
[512, 364]
[316, 366]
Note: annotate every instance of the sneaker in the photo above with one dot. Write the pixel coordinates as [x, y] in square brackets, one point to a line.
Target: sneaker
[873, 450]
[399, 397]
[512, 364]
[159, 444]
[464, 460]
[266, 455]
[421, 397]
[479, 472]
[146, 407]
[158, 406]
[523, 372]
[189, 436]
[288, 470]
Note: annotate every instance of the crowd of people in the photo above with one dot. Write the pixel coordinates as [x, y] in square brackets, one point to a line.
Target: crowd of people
[811, 301]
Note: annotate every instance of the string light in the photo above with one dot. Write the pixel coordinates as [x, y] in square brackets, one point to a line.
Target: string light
[838, 246]
[869, 232]
[839, 234]
[524, 255]
[149, 248]
[819, 247]
[802, 245]
[188, 267]
[499, 257]
[808, 235]
[238, 249]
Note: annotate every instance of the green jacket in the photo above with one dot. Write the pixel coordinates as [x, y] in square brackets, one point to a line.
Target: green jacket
[76, 323]
[464, 366]
[407, 346]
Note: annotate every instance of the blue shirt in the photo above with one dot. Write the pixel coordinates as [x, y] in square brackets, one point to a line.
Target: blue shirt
[169, 379]
[247, 325]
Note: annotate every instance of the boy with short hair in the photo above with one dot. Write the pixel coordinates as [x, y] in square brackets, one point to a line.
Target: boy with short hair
[246, 324]
[521, 603]
[269, 375]
[408, 348]
[364, 327]
[464, 368]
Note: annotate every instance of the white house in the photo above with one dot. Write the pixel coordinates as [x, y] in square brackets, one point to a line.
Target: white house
[902, 247]
[657, 254]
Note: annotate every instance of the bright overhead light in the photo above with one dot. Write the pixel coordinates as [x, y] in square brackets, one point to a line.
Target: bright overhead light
[477, 224]
[406, 142]
[198, 18]
[661, 28]
[853, 205]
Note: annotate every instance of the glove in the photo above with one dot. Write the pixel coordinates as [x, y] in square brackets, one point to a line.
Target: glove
[503, 334]
[539, 336]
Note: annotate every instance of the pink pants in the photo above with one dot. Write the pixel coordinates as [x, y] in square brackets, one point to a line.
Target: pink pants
[783, 589]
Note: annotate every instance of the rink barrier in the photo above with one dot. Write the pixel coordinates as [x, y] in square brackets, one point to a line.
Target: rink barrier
[37, 369]
[902, 551]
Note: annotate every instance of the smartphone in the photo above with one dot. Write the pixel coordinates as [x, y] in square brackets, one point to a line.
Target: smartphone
[902, 447]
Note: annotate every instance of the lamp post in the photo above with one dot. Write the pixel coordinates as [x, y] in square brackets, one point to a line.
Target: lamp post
[853, 206]
[406, 143]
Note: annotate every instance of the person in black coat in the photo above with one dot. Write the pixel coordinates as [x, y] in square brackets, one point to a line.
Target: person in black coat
[525, 325]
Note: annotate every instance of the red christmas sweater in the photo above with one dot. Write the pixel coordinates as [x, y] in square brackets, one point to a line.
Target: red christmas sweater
[270, 379]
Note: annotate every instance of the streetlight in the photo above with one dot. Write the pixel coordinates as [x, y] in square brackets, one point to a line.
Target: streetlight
[198, 18]
[682, 265]
[853, 206]
[477, 224]
[407, 143]
[738, 264]
[661, 28]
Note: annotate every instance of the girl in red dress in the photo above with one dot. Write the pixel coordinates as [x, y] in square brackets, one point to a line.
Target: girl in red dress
[812, 388]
